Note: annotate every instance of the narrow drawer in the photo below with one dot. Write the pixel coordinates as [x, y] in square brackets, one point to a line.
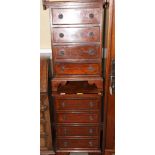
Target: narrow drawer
[77, 68]
[76, 16]
[78, 131]
[91, 34]
[78, 117]
[77, 104]
[77, 52]
[77, 143]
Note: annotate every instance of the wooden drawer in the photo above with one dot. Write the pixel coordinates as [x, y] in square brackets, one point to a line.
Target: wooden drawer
[76, 34]
[77, 68]
[77, 52]
[77, 104]
[78, 117]
[77, 143]
[76, 16]
[78, 131]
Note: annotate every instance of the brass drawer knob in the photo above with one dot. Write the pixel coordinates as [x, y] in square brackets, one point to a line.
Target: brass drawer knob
[91, 104]
[62, 68]
[90, 131]
[65, 131]
[65, 144]
[91, 52]
[61, 53]
[90, 68]
[60, 16]
[91, 15]
[91, 34]
[90, 143]
[61, 35]
[64, 117]
[63, 104]
[91, 118]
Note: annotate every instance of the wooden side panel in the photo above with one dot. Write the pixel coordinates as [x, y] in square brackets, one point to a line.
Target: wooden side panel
[110, 95]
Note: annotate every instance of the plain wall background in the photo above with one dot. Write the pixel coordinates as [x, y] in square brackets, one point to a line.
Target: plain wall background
[45, 42]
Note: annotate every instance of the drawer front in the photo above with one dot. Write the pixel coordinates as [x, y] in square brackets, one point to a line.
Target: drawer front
[77, 52]
[77, 131]
[78, 117]
[91, 34]
[76, 16]
[78, 104]
[77, 68]
[77, 143]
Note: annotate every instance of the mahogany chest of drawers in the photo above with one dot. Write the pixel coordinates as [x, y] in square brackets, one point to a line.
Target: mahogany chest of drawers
[77, 82]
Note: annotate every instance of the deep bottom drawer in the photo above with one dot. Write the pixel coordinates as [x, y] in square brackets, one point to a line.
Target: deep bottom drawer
[77, 143]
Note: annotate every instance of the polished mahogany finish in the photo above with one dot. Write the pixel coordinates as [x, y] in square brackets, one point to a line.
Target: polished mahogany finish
[80, 143]
[77, 130]
[77, 68]
[77, 37]
[78, 117]
[76, 34]
[46, 147]
[76, 16]
[78, 104]
[109, 128]
[77, 52]
[98, 81]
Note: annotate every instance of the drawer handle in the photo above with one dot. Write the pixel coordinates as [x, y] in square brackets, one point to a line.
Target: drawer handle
[91, 34]
[91, 104]
[61, 35]
[61, 53]
[65, 144]
[60, 16]
[91, 15]
[63, 104]
[64, 117]
[62, 68]
[65, 131]
[43, 108]
[90, 68]
[91, 118]
[91, 131]
[91, 52]
[90, 143]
